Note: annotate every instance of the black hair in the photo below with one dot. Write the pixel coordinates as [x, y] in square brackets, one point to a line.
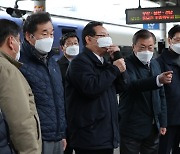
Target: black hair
[31, 22]
[8, 27]
[66, 36]
[173, 31]
[89, 30]
[143, 34]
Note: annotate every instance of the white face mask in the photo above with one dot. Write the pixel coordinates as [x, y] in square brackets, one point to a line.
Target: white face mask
[176, 48]
[18, 52]
[18, 55]
[72, 50]
[104, 42]
[144, 56]
[44, 45]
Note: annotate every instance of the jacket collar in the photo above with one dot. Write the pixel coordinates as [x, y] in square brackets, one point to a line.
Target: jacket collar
[10, 59]
[137, 61]
[30, 51]
[93, 57]
[63, 60]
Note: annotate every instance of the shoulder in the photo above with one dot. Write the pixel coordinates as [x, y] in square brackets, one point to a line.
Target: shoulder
[62, 60]
[80, 57]
[6, 66]
[130, 61]
[9, 74]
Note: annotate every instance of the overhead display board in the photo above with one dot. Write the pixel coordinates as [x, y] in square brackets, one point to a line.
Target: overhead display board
[153, 15]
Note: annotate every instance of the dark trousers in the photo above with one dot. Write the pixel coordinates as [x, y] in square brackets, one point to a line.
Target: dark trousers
[101, 151]
[170, 141]
[148, 145]
[69, 149]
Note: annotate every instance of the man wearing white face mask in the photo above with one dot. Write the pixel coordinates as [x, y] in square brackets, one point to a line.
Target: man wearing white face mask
[69, 44]
[142, 106]
[16, 98]
[90, 94]
[170, 60]
[43, 74]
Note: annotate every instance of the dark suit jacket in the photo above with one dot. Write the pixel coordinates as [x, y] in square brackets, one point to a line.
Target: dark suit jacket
[91, 102]
[63, 64]
[143, 103]
[170, 60]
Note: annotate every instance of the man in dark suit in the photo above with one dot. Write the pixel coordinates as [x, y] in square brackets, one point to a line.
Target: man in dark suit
[142, 106]
[170, 60]
[69, 44]
[90, 94]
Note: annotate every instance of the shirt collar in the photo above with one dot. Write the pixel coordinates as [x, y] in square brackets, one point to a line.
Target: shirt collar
[100, 58]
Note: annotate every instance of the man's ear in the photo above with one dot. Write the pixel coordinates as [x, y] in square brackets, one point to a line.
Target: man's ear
[133, 47]
[29, 37]
[10, 42]
[169, 41]
[62, 48]
[88, 39]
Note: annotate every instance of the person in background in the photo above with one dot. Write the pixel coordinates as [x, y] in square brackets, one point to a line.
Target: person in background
[16, 98]
[142, 106]
[90, 94]
[169, 60]
[69, 44]
[43, 74]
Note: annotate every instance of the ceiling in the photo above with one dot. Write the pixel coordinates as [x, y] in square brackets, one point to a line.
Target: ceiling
[167, 2]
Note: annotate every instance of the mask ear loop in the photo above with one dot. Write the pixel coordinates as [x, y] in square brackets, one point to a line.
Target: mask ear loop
[32, 36]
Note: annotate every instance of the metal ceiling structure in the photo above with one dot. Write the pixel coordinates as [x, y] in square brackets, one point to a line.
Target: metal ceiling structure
[167, 2]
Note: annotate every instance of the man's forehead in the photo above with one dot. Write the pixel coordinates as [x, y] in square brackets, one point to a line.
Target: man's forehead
[71, 39]
[100, 29]
[45, 26]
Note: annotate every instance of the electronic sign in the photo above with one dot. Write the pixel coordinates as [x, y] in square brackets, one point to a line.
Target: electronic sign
[153, 15]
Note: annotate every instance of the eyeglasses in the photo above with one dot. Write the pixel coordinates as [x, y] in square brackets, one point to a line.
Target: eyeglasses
[176, 39]
[102, 35]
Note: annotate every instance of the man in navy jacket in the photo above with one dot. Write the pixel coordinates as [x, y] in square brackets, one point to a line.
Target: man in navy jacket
[142, 107]
[170, 60]
[43, 74]
[69, 43]
[91, 86]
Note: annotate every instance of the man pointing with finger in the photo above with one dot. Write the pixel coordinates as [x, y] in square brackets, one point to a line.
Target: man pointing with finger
[142, 106]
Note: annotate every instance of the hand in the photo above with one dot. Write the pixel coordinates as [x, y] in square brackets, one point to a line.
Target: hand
[163, 131]
[120, 64]
[64, 143]
[165, 77]
[111, 49]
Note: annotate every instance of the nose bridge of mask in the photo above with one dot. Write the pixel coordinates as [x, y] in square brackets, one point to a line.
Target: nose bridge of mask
[104, 41]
